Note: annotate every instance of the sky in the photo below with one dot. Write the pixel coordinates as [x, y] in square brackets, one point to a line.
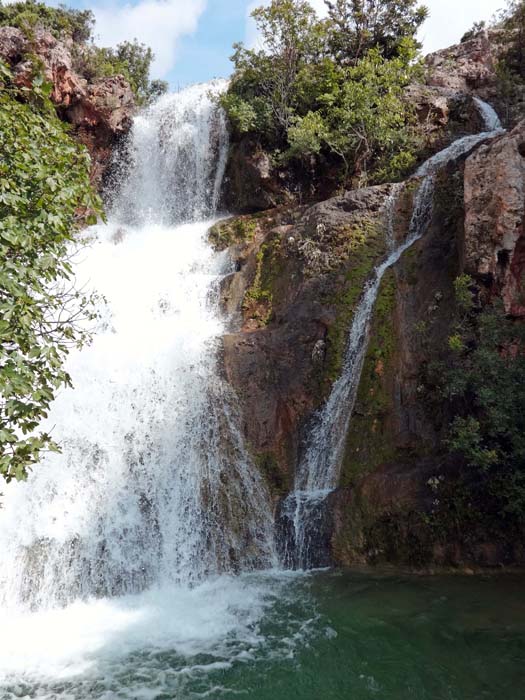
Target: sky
[192, 39]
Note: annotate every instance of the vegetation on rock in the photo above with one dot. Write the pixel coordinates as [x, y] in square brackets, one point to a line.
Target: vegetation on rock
[482, 377]
[61, 21]
[331, 87]
[130, 58]
[45, 194]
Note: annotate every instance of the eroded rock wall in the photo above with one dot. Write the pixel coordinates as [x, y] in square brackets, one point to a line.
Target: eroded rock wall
[100, 112]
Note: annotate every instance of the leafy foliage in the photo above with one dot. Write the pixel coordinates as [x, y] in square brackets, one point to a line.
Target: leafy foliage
[482, 378]
[360, 25]
[297, 97]
[61, 20]
[365, 119]
[130, 58]
[44, 193]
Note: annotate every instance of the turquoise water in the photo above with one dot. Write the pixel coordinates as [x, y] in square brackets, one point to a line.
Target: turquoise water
[278, 637]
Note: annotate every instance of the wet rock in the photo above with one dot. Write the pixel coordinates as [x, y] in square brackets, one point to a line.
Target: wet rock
[300, 274]
[494, 239]
[250, 182]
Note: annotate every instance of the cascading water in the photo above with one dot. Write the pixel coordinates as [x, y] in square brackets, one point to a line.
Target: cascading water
[154, 486]
[317, 475]
[177, 160]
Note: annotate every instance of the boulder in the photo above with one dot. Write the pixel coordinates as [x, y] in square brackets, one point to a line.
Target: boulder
[109, 103]
[494, 240]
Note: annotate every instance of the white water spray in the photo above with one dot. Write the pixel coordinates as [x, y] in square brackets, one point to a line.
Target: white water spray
[154, 486]
[318, 472]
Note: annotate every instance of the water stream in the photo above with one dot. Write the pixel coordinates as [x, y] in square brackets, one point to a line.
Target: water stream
[318, 471]
[140, 563]
[154, 494]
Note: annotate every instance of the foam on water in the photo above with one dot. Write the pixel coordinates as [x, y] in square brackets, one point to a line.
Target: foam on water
[167, 639]
[123, 547]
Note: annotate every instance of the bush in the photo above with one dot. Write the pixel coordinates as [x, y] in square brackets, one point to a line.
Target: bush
[44, 188]
[130, 59]
[27, 15]
[482, 380]
[296, 97]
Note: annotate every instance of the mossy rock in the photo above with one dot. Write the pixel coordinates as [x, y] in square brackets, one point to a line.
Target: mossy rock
[367, 244]
[241, 229]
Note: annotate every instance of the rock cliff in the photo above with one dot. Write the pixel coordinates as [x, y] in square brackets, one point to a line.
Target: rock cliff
[100, 112]
[301, 271]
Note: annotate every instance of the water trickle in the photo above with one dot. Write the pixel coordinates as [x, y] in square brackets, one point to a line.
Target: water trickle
[303, 513]
[154, 485]
[491, 120]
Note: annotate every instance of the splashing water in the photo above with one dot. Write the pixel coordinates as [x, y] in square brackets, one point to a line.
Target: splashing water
[154, 490]
[177, 161]
[317, 475]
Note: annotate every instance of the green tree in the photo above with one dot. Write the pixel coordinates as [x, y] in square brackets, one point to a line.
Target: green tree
[482, 380]
[61, 20]
[359, 25]
[297, 98]
[45, 194]
[365, 119]
[266, 79]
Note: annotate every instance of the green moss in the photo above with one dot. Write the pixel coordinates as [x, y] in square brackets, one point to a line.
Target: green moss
[369, 443]
[241, 229]
[258, 301]
[366, 243]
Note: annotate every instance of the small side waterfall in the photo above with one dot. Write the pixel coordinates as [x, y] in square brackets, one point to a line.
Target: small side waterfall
[154, 484]
[317, 475]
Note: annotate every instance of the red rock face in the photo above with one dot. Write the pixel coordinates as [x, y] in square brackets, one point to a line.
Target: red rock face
[494, 244]
[465, 68]
[100, 111]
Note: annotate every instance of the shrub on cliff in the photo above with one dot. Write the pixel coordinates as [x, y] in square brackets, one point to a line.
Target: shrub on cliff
[512, 22]
[301, 100]
[481, 377]
[44, 188]
[60, 21]
[130, 58]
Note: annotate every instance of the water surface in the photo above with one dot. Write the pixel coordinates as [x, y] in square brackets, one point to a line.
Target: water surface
[278, 637]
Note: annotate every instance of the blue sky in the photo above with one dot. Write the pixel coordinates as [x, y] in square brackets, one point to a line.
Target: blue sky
[192, 39]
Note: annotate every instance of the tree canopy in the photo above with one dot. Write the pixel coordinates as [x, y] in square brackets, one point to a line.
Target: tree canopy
[360, 25]
[330, 86]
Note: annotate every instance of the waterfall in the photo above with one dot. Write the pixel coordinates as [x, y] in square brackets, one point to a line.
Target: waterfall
[154, 485]
[317, 475]
[177, 160]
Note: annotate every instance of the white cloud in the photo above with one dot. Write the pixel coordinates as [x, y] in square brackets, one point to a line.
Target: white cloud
[159, 24]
